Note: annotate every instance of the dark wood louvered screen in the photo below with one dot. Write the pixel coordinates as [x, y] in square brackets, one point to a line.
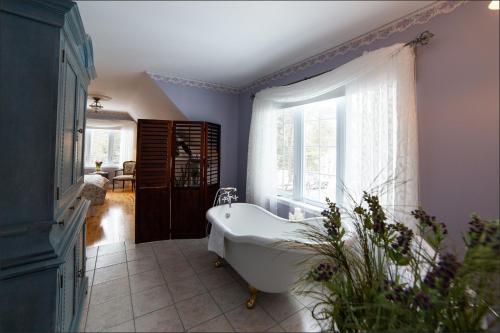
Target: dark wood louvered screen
[187, 219]
[212, 164]
[153, 180]
[178, 174]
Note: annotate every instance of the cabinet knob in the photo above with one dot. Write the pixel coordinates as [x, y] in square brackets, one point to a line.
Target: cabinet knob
[72, 207]
[80, 130]
[79, 273]
[61, 222]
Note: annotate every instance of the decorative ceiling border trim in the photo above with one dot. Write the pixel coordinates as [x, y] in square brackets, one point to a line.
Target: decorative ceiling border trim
[421, 16]
[195, 83]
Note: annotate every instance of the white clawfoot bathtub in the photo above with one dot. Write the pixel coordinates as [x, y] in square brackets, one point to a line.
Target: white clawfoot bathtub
[250, 245]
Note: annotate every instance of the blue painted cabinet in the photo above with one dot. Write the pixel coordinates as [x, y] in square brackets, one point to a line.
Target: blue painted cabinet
[46, 64]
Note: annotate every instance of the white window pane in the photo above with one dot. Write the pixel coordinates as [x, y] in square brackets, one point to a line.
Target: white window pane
[316, 148]
[320, 154]
[311, 155]
[328, 132]
[312, 186]
[288, 135]
[99, 146]
[279, 123]
[102, 145]
[328, 161]
[311, 133]
[285, 153]
[310, 112]
[285, 179]
[328, 187]
[288, 116]
[327, 109]
[115, 148]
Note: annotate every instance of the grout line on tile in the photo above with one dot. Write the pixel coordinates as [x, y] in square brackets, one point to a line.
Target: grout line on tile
[238, 282]
[213, 299]
[287, 317]
[203, 322]
[168, 289]
[150, 312]
[89, 290]
[130, 289]
[230, 324]
[208, 292]
[131, 305]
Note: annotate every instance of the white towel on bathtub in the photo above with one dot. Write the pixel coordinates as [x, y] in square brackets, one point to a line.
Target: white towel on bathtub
[216, 241]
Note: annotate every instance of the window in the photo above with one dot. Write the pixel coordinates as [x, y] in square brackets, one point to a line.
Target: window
[285, 150]
[310, 150]
[103, 145]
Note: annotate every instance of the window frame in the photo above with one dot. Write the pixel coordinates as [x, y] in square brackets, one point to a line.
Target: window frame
[88, 140]
[297, 194]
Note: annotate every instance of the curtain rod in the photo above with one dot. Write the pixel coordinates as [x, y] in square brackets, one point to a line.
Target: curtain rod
[422, 39]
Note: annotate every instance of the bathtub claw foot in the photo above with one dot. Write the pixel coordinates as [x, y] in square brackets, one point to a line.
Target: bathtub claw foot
[253, 298]
[218, 263]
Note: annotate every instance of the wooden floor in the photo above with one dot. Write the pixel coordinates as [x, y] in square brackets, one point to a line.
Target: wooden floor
[112, 221]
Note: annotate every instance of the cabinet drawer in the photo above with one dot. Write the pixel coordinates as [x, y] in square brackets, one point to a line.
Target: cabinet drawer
[69, 213]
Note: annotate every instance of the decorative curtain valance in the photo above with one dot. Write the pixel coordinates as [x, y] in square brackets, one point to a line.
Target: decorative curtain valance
[381, 129]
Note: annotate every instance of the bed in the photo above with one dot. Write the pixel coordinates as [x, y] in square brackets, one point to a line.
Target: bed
[95, 188]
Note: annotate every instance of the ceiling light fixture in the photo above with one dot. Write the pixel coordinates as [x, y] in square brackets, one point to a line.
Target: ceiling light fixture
[96, 104]
[494, 5]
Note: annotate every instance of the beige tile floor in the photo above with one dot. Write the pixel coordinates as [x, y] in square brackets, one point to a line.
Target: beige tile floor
[172, 286]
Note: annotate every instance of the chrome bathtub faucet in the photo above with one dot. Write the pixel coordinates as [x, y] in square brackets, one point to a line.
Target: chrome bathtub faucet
[228, 195]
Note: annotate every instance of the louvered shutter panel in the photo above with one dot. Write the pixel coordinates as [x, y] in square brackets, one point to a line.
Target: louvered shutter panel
[213, 154]
[188, 206]
[212, 164]
[188, 154]
[152, 154]
[153, 180]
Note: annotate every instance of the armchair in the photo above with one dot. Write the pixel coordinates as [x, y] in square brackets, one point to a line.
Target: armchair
[128, 174]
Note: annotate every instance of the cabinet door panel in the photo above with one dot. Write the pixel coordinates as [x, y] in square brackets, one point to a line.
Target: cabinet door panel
[79, 264]
[79, 137]
[68, 153]
[69, 289]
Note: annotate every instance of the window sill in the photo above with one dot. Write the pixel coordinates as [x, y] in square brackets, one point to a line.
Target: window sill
[312, 209]
[107, 166]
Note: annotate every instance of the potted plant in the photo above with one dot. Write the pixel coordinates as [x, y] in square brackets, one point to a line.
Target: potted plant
[195, 173]
[381, 276]
[98, 165]
[181, 177]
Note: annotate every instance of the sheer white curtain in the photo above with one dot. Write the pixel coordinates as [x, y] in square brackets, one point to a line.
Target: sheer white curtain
[381, 136]
[262, 161]
[127, 141]
[381, 147]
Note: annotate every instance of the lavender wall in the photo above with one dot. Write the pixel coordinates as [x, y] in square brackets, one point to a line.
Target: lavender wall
[458, 114]
[205, 105]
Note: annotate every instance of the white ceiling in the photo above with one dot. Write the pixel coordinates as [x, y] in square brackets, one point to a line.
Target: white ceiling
[230, 43]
